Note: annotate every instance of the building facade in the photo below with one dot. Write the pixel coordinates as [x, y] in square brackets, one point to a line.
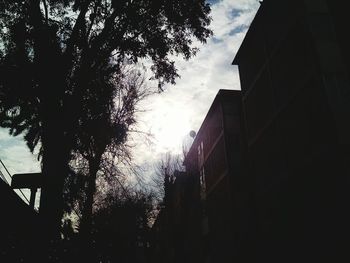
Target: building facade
[215, 159]
[294, 72]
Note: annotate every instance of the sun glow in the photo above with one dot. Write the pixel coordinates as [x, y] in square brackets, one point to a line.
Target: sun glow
[170, 128]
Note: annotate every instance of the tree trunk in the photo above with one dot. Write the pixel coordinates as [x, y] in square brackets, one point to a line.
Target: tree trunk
[85, 227]
[54, 170]
[56, 151]
[56, 154]
[86, 223]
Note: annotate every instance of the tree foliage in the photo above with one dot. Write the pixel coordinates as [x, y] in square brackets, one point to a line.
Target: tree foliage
[58, 64]
[102, 136]
[74, 41]
[121, 231]
[164, 173]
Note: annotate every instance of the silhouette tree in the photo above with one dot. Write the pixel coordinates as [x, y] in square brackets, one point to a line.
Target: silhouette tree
[121, 227]
[102, 134]
[164, 173]
[50, 59]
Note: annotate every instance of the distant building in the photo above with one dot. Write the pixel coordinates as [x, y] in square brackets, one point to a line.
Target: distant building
[294, 66]
[197, 222]
[214, 158]
[19, 228]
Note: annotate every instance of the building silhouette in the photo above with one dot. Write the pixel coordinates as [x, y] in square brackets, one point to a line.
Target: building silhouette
[294, 72]
[19, 238]
[22, 227]
[215, 159]
[197, 221]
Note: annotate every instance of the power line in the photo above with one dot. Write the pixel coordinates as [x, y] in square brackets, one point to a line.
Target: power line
[3, 165]
[3, 177]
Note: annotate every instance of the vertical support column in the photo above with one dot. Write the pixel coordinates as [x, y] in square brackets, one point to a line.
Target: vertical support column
[32, 197]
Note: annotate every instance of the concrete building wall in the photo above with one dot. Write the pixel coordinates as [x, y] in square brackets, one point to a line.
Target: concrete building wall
[216, 153]
[292, 75]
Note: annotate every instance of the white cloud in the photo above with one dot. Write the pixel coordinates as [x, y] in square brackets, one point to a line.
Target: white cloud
[201, 78]
[16, 155]
[230, 15]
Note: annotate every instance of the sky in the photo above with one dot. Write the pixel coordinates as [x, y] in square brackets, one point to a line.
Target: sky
[171, 115]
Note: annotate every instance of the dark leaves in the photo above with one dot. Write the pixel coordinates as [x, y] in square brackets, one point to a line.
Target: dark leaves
[58, 77]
